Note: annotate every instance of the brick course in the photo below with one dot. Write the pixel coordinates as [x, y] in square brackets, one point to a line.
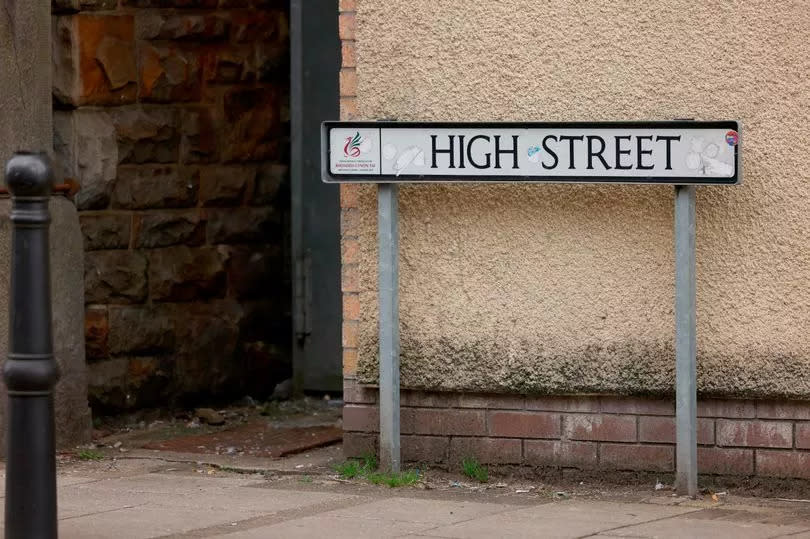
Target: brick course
[524, 425]
[171, 115]
[445, 427]
[662, 430]
[601, 428]
[558, 454]
[486, 450]
[655, 458]
[783, 464]
[716, 460]
[443, 422]
[754, 433]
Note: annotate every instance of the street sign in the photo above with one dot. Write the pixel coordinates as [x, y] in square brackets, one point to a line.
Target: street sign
[680, 153]
[672, 152]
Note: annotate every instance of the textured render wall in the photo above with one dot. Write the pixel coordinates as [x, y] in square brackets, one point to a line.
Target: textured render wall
[570, 288]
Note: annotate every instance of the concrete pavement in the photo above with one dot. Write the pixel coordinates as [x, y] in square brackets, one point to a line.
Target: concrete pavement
[145, 498]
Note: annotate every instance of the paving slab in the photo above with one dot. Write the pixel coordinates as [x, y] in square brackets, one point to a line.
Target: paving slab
[146, 498]
[436, 512]
[155, 507]
[75, 502]
[333, 528]
[567, 519]
[678, 528]
[85, 499]
[162, 483]
[145, 522]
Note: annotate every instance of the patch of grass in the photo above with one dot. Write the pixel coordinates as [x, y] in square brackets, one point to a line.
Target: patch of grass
[369, 461]
[349, 469]
[357, 467]
[305, 479]
[366, 468]
[474, 470]
[393, 480]
[89, 454]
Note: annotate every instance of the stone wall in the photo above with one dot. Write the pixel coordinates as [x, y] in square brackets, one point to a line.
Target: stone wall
[173, 117]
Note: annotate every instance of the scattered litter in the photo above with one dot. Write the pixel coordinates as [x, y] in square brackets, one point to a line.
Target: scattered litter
[659, 485]
[500, 485]
[560, 495]
[299, 466]
[714, 497]
[522, 491]
[724, 493]
[117, 444]
[193, 424]
[793, 500]
[455, 484]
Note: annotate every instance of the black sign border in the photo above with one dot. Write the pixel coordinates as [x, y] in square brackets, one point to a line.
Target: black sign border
[328, 177]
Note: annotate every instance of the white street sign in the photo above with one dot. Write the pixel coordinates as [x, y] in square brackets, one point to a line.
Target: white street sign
[676, 152]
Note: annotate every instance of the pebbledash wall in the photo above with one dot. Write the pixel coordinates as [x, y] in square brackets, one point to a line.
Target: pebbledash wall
[537, 321]
[172, 115]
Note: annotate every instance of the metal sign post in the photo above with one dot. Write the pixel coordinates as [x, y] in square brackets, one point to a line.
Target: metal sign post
[680, 153]
[685, 342]
[388, 293]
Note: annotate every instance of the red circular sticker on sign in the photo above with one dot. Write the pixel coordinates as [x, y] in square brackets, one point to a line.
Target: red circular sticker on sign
[732, 138]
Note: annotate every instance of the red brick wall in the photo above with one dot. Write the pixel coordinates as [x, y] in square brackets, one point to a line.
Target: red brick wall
[735, 437]
[173, 117]
[350, 246]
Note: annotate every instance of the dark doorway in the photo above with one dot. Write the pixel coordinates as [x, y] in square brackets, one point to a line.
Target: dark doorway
[315, 64]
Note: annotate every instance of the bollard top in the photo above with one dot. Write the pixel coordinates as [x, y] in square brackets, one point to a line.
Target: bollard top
[29, 174]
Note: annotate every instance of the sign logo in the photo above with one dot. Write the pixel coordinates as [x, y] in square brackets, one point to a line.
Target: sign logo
[732, 138]
[352, 147]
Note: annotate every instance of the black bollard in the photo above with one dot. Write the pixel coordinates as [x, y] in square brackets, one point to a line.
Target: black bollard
[30, 371]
